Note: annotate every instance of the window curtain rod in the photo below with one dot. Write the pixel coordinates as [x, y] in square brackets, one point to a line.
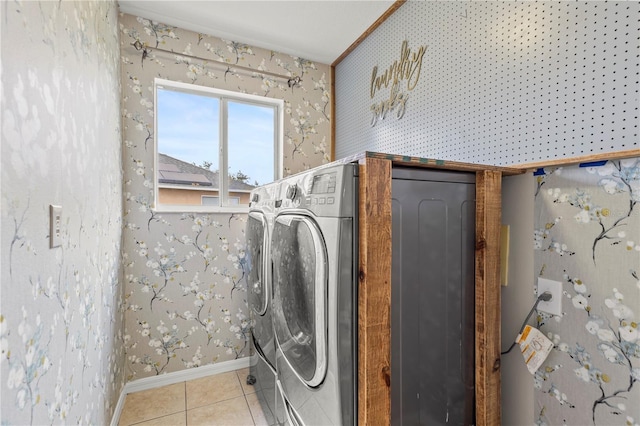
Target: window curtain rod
[291, 81]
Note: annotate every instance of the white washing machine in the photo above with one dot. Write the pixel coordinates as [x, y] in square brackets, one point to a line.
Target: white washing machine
[314, 271]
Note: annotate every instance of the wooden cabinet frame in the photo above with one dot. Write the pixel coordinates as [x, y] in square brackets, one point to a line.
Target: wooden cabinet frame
[374, 292]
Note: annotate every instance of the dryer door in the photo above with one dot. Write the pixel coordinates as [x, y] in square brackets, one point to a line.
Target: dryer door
[299, 259]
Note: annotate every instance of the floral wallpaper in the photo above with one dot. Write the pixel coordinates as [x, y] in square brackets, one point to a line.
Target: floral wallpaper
[587, 235]
[61, 318]
[185, 274]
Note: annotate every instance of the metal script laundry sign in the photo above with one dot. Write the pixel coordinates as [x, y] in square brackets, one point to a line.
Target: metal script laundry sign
[406, 69]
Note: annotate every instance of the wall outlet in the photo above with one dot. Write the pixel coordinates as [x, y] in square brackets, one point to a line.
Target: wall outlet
[553, 306]
[55, 226]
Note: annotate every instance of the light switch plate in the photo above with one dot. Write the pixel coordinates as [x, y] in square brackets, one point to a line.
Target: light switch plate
[55, 226]
[553, 306]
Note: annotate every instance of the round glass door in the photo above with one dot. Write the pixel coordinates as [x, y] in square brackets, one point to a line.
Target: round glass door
[299, 303]
[256, 245]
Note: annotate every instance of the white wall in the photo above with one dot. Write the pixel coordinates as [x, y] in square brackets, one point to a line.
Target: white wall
[500, 82]
[60, 311]
[517, 298]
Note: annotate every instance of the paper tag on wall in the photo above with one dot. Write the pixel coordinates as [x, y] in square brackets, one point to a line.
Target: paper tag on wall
[535, 347]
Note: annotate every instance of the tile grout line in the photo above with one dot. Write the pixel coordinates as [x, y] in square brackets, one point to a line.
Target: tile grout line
[253, 419]
[185, 403]
[246, 401]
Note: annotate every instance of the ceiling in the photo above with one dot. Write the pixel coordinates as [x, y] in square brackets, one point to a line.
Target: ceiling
[317, 30]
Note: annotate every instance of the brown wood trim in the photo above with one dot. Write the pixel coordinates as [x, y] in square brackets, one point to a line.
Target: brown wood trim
[576, 160]
[374, 293]
[488, 218]
[395, 6]
[405, 160]
[332, 114]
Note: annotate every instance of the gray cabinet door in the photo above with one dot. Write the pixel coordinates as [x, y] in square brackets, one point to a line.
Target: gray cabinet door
[432, 300]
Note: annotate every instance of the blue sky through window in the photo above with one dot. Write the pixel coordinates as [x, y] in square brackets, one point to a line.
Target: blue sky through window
[188, 130]
[251, 141]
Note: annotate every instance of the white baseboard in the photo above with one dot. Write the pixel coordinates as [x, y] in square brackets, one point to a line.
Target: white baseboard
[175, 377]
[119, 406]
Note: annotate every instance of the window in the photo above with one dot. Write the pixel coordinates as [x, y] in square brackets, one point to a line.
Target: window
[213, 146]
[208, 200]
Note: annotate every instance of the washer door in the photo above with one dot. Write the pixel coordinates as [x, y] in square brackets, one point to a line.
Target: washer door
[259, 288]
[256, 249]
[299, 266]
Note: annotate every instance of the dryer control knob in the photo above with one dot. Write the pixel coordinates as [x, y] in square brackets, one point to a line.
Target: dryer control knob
[292, 190]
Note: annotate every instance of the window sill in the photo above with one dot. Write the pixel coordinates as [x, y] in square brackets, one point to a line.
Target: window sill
[201, 209]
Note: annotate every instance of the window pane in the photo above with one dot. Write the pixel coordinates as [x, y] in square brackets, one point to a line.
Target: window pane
[251, 144]
[187, 138]
[210, 201]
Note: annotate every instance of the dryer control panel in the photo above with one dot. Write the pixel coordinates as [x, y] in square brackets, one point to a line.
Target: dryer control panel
[328, 191]
[324, 183]
[322, 190]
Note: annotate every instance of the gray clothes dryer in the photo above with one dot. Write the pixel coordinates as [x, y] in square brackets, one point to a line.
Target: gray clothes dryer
[313, 255]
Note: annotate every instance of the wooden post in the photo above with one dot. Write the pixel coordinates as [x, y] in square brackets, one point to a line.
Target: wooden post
[374, 293]
[488, 223]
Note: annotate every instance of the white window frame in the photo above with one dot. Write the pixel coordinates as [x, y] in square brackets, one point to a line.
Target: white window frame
[224, 96]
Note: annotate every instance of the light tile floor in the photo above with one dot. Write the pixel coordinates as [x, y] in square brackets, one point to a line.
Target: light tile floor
[222, 399]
